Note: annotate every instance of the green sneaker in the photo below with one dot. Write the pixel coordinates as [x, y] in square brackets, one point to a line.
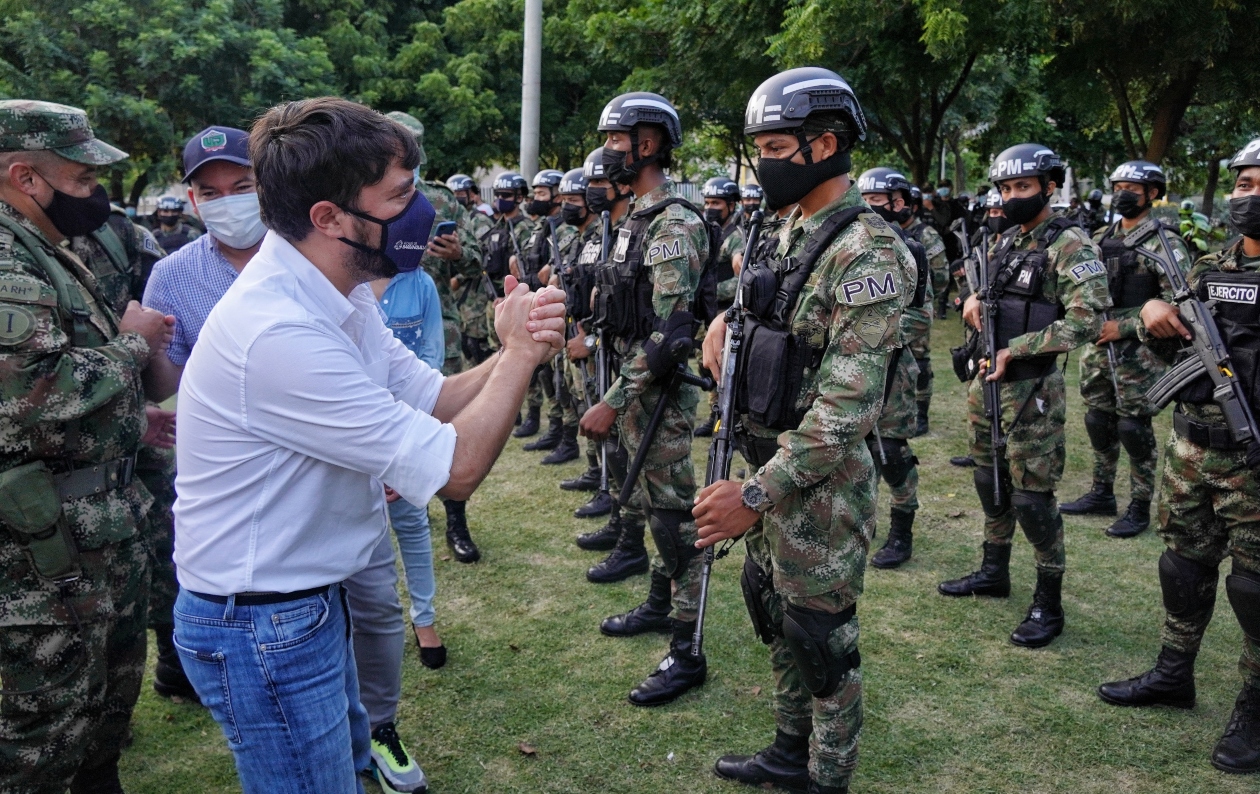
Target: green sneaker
[392, 765]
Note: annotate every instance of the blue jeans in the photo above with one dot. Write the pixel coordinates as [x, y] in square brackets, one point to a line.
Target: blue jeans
[411, 526]
[280, 680]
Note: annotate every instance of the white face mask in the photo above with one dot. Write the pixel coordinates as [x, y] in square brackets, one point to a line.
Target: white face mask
[233, 220]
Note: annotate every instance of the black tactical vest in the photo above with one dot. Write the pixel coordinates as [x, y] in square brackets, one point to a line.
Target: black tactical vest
[579, 277]
[1131, 283]
[500, 244]
[1016, 279]
[537, 253]
[919, 252]
[1236, 308]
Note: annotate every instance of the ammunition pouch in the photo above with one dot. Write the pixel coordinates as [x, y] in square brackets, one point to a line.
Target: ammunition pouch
[964, 358]
[754, 582]
[806, 633]
[30, 508]
[675, 553]
[773, 365]
[757, 451]
[678, 340]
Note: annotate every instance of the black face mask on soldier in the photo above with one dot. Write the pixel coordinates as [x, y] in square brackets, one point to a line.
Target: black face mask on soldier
[74, 216]
[597, 200]
[714, 215]
[1127, 204]
[998, 223]
[786, 182]
[573, 214]
[1244, 215]
[1023, 210]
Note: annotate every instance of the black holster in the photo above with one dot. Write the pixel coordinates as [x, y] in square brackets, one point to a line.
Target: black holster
[754, 582]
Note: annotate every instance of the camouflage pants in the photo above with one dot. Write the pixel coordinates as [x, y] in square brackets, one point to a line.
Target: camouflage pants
[897, 458]
[1209, 508]
[1033, 415]
[833, 724]
[919, 349]
[1137, 370]
[667, 481]
[453, 339]
[156, 469]
[93, 677]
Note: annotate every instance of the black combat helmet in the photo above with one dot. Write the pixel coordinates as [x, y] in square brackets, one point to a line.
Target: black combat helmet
[784, 101]
[883, 180]
[720, 187]
[171, 203]
[1027, 159]
[1247, 157]
[641, 107]
[752, 191]
[460, 182]
[510, 180]
[1095, 195]
[573, 183]
[1141, 171]
[593, 167]
[548, 177]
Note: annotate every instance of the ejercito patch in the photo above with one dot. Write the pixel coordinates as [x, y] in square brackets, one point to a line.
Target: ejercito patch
[874, 288]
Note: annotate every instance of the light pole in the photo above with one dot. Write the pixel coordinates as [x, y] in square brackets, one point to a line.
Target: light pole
[531, 88]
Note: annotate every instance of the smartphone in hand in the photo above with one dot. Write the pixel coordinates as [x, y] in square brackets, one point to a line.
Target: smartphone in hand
[445, 227]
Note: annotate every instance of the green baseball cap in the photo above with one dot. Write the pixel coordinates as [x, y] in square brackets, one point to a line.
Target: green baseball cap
[30, 125]
[413, 126]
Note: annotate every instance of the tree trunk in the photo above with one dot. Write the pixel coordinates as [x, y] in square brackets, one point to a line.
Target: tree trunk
[1170, 107]
[1209, 187]
[137, 188]
[960, 168]
[116, 188]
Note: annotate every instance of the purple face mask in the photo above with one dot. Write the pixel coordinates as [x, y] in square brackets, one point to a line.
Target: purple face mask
[404, 236]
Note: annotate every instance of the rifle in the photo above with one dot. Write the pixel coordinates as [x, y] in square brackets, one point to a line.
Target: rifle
[1210, 355]
[602, 380]
[722, 448]
[1111, 360]
[988, 344]
[557, 362]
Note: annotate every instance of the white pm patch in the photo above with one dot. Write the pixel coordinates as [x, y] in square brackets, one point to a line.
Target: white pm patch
[1087, 270]
[664, 251]
[1232, 294]
[869, 289]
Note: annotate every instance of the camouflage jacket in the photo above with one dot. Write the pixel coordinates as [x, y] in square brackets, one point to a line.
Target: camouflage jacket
[443, 270]
[541, 237]
[675, 247]
[732, 244]
[121, 254]
[1074, 279]
[1130, 319]
[46, 383]
[917, 323]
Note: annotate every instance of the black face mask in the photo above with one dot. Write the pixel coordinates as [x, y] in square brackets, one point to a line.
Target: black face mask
[168, 220]
[504, 206]
[1128, 204]
[1244, 215]
[75, 216]
[786, 182]
[614, 163]
[597, 200]
[573, 214]
[998, 224]
[897, 217]
[539, 208]
[1023, 210]
[714, 215]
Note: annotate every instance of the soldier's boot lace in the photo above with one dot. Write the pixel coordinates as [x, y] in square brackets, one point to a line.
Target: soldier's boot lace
[599, 505]
[962, 461]
[628, 558]
[680, 670]
[993, 578]
[1100, 501]
[1169, 683]
[392, 766]
[921, 421]
[651, 615]
[457, 536]
[784, 764]
[549, 440]
[1135, 521]
[101, 779]
[900, 544]
[168, 675]
[1238, 750]
[530, 426]
[705, 430]
[603, 539]
[1045, 616]
[566, 450]
[587, 480]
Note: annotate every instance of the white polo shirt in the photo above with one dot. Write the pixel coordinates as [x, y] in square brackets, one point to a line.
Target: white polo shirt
[296, 405]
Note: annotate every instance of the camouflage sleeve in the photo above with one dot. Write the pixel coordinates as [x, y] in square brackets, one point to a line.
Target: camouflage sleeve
[1080, 281]
[469, 264]
[732, 245]
[938, 260]
[673, 252]
[862, 333]
[1131, 319]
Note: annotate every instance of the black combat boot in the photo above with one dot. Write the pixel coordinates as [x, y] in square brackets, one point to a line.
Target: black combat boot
[1045, 616]
[1100, 501]
[962, 461]
[457, 537]
[567, 450]
[587, 480]
[530, 426]
[900, 541]
[651, 615]
[993, 578]
[603, 539]
[1169, 683]
[550, 439]
[705, 430]
[819, 788]
[678, 672]
[168, 676]
[1134, 522]
[101, 779]
[1238, 751]
[599, 505]
[784, 764]
[921, 421]
[629, 558]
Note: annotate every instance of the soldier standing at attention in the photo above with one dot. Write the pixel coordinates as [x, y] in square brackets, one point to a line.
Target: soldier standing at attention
[646, 303]
[1210, 496]
[721, 198]
[750, 197]
[809, 511]
[1119, 413]
[1051, 292]
[472, 298]
[75, 589]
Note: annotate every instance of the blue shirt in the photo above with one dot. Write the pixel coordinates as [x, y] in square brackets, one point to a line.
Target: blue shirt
[413, 311]
[188, 284]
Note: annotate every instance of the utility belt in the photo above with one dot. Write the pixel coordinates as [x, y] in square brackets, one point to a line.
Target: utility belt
[1204, 435]
[32, 501]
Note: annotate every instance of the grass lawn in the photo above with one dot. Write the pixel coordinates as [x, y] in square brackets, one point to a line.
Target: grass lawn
[533, 697]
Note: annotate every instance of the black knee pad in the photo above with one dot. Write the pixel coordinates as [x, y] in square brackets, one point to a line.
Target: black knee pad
[675, 554]
[1037, 517]
[1136, 436]
[900, 462]
[754, 582]
[1243, 589]
[983, 478]
[805, 632]
[1189, 587]
[925, 373]
[1101, 428]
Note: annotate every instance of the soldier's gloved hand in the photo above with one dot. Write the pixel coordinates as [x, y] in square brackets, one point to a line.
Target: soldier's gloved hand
[971, 311]
[714, 346]
[1163, 320]
[156, 328]
[446, 247]
[720, 513]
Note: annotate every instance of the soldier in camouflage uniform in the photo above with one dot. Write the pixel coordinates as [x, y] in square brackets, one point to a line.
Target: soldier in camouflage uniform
[172, 232]
[1052, 291]
[72, 633]
[721, 202]
[472, 296]
[921, 341]
[646, 304]
[888, 192]
[1119, 413]
[809, 511]
[1209, 492]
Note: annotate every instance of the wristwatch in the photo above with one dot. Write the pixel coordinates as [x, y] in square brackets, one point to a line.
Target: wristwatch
[590, 341]
[755, 497]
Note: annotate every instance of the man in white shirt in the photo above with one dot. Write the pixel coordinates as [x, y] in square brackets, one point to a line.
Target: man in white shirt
[296, 405]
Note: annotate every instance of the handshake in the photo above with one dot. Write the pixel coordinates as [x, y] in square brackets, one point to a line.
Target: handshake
[530, 323]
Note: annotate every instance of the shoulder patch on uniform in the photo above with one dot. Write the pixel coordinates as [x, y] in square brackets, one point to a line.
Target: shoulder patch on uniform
[937, 248]
[18, 288]
[871, 327]
[1086, 270]
[6, 249]
[871, 288]
[876, 225]
[17, 324]
[664, 250]
[149, 244]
